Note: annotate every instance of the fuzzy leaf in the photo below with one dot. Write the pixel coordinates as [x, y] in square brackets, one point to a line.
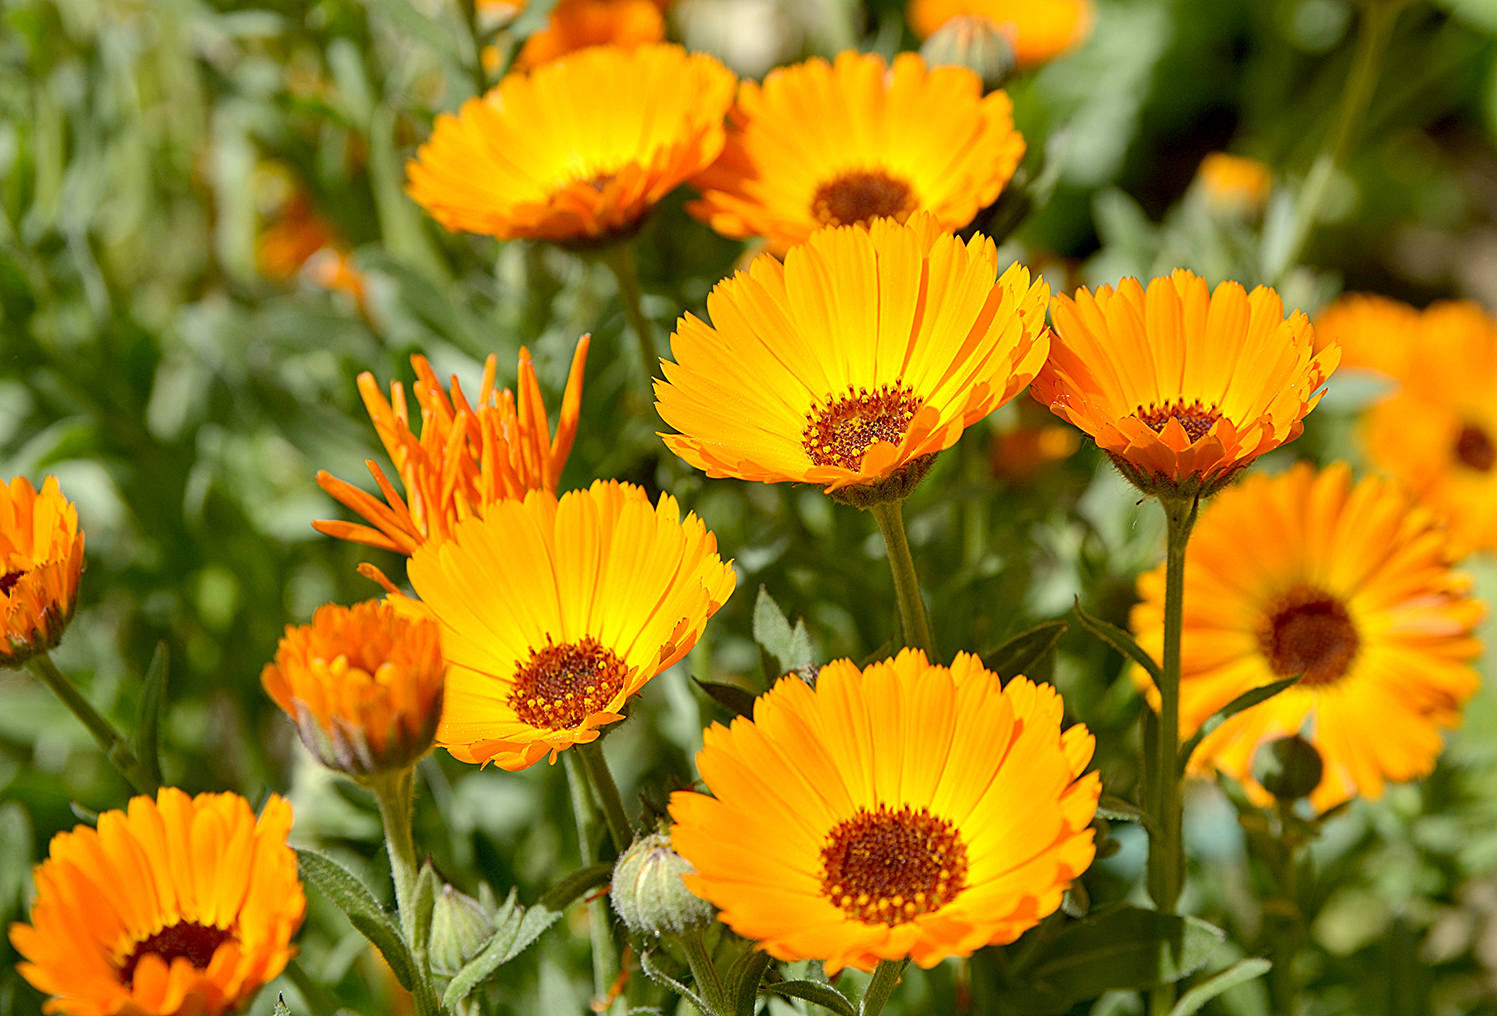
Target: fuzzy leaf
[1021, 652]
[731, 697]
[741, 986]
[791, 647]
[1238, 973]
[1118, 639]
[815, 992]
[1246, 700]
[340, 885]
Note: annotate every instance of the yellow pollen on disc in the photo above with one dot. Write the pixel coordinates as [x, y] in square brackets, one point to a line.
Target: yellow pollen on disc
[859, 198]
[1194, 418]
[900, 864]
[560, 686]
[839, 431]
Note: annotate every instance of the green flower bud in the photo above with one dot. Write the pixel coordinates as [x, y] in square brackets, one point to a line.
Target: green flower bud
[1288, 768]
[648, 893]
[459, 928]
[976, 43]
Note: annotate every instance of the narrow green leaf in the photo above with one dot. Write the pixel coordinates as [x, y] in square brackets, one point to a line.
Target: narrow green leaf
[731, 697]
[147, 741]
[883, 652]
[1118, 639]
[1238, 973]
[280, 1008]
[549, 908]
[816, 993]
[1246, 700]
[741, 986]
[1115, 809]
[1019, 653]
[340, 885]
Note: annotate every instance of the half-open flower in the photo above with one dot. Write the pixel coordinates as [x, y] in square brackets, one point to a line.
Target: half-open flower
[1040, 29]
[577, 24]
[41, 557]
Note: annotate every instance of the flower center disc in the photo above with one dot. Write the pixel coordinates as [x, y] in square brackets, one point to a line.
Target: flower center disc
[1309, 633]
[838, 433]
[1474, 448]
[858, 198]
[560, 686]
[888, 867]
[1195, 418]
[197, 942]
[9, 579]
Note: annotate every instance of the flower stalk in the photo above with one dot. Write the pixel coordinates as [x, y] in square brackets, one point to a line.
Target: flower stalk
[114, 746]
[395, 792]
[585, 812]
[885, 976]
[890, 517]
[619, 258]
[596, 767]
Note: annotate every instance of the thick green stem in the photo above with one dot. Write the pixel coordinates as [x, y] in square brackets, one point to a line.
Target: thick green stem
[115, 747]
[620, 259]
[885, 977]
[605, 962]
[608, 794]
[1285, 926]
[906, 585]
[395, 793]
[703, 971]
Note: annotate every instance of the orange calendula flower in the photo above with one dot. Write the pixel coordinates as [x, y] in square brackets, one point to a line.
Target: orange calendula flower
[904, 810]
[363, 684]
[465, 458]
[1040, 29]
[41, 557]
[1374, 332]
[179, 906]
[1233, 183]
[869, 351]
[555, 612]
[577, 24]
[1182, 387]
[1347, 584]
[822, 144]
[576, 151]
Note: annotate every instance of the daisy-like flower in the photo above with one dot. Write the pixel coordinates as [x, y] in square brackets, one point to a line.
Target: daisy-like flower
[465, 458]
[1347, 584]
[363, 684]
[902, 810]
[1180, 386]
[553, 613]
[1234, 184]
[41, 557]
[179, 906]
[869, 351]
[1040, 29]
[577, 151]
[1374, 332]
[821, 144]
[577, 24]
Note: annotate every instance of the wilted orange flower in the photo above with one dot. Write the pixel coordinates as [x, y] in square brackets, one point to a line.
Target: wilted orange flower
[1347, 584]
[554, 613]
[465, 459]
[902, 810]
[1373, 332]
[576, 24]
[1182, 387]
[1040, 29]
[41, 557]
[180, 906]
[821, 144]
[855, 361]
[1234, 183]
[578, 150]
[363, 684]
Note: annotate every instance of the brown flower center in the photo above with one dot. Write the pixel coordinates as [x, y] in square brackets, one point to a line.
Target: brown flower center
[197, 942]
[839, 432]
[1474, 448]
[562, 685]
[856, 198]
[9, 579]
[1194, 418]
[888, 867]
[1309, 632]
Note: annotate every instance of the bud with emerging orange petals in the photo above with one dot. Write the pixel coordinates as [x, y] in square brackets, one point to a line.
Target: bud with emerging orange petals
[41, 557]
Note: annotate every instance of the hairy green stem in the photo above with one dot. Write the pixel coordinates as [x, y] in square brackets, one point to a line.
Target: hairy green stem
[703, 971]
[114, 746]
[890, 517]
[1285, 928]
[885, 977]
[599, 924]
[620, 259]
[395, 793]
[601, 779]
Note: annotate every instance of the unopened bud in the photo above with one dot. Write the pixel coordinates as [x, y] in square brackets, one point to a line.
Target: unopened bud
[976, 43]
[648, 893]
[1288, 768]
[459, 928]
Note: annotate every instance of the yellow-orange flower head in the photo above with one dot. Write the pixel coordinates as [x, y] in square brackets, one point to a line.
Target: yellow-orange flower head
[465, 459]
[1347, 584]
[577, 24]
[1039, 29]
[41, 557]
[576, 151]
[850, 365]
[363, 684]
[902, 810]
[553, 613]
[1180, 386]
[179, 906]
[821, 144]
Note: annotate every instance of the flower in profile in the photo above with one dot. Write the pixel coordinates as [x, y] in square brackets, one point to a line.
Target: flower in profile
[1234, 184]
[555, 612]
[821, 144]
[178, 906]
[1346, 584]
[577, 151]
[1374, 332]
[869, 351]
[577, 24]
[41, 557]
[901, 810]
[1040, 29]
[363, 684]
[465, 458]
[1180, 386]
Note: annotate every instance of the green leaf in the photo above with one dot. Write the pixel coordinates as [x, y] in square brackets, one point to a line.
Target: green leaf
[815, 992]
[340, 885]
[280, 1008]
[1019, 653]
[1246, 700]
[404, 16]
[15, 854]
[791, 647]
[428, 886]
[1238, 973]
[731, 697]
[1115, 809]
[741, 986]
[1118, 639]
[147, 741]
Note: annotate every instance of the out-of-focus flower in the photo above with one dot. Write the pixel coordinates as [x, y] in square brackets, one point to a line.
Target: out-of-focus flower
[1180, 386]
[301, 243]
[856, 360]
[902, 810]
[1021, 454]
[577, 24]
[41, 557]
[1373, 332]
[180, 906]
[577, 151]
[975, 42]
[1234, 184]
[363, 684]
[1041, 29]
[821, 144]
[465, 459]
[1347, 584]
[554, 613]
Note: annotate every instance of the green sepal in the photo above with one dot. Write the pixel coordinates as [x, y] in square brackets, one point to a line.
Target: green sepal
[423, 901]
